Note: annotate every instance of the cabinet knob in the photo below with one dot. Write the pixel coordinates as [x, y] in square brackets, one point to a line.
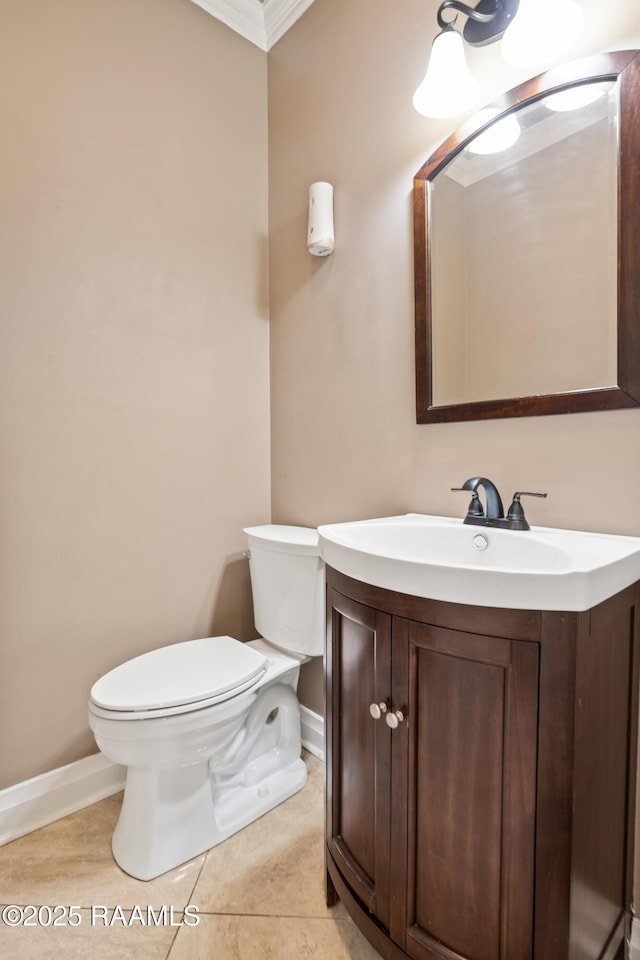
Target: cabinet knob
[395, 718]
[377, 709]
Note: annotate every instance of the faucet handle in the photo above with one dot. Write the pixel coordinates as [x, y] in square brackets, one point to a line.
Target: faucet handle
[516, 512]
[475, 506]
[524, 493]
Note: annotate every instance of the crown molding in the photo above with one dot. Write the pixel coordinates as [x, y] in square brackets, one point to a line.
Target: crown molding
[279, 15]
[246, 17]
[263, 23]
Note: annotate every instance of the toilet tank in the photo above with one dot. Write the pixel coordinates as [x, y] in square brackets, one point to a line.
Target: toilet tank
[287, 581]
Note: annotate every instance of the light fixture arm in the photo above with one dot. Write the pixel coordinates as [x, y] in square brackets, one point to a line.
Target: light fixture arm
[468, 11]
[448, 88]
[486, 22]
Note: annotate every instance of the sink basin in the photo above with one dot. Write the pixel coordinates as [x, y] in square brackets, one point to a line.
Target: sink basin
[442, 558]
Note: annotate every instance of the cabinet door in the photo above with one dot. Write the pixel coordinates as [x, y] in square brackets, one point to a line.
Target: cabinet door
[358, 675]
[469, 744]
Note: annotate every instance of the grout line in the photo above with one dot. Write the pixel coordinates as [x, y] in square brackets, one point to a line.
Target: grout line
[189, 901]
[173, 943]
[267, 916]
[197, 880]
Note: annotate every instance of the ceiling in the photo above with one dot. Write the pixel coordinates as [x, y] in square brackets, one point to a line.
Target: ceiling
[262, 22]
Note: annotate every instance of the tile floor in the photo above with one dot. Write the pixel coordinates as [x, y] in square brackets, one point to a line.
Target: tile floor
[260, 895]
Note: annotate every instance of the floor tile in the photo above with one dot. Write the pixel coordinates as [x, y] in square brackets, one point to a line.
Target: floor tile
[70, 862]
[94, 937]
[275, 866]
[260, 894]
[271, 938]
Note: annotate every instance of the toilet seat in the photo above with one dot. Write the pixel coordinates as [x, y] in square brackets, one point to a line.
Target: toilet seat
[178, 678]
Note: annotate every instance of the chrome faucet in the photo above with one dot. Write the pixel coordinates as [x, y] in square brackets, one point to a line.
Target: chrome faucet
[494, 515]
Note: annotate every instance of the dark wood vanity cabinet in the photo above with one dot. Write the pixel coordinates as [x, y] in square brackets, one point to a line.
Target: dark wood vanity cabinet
[494, 821]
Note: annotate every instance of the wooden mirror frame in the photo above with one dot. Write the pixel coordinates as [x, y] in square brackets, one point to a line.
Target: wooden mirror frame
[625, 67]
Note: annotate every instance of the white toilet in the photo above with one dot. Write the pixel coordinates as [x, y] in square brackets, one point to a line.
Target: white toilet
[210, 729]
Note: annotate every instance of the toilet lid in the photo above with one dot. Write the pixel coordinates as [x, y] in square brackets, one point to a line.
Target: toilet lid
[179, 674]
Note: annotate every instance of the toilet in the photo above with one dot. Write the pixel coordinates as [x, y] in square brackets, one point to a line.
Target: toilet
[209, 729]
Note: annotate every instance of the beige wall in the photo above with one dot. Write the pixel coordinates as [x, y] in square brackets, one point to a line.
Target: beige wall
[345, 444]
[134, 409]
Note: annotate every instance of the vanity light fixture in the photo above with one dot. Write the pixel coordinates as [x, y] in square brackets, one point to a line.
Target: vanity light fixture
[542, 32]
[448, 87]
[535, 33]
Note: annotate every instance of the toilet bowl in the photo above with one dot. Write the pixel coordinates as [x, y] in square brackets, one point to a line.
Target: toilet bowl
[209, 729]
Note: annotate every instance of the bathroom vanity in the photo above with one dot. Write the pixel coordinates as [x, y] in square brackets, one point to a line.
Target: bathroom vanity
[481, 771]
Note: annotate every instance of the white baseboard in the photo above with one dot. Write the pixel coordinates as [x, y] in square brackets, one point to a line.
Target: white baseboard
[634, 942]
[312, 731]
[35, 803]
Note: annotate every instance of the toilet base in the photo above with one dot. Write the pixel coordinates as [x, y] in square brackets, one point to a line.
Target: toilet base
[180, 819]
[171, 813]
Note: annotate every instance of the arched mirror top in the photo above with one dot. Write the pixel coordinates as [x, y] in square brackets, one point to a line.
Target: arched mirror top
[527, 262]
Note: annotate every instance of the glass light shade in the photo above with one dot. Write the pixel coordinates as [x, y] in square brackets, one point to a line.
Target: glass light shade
[448, 88]
[541, 32]
[499, 136]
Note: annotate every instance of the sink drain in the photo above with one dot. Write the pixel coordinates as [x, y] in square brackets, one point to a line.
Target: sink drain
[480, 542]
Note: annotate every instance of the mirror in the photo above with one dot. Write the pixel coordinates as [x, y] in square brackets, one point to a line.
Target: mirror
[527, 278]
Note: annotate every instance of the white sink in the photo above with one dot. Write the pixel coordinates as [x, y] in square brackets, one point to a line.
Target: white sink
[443, 559]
